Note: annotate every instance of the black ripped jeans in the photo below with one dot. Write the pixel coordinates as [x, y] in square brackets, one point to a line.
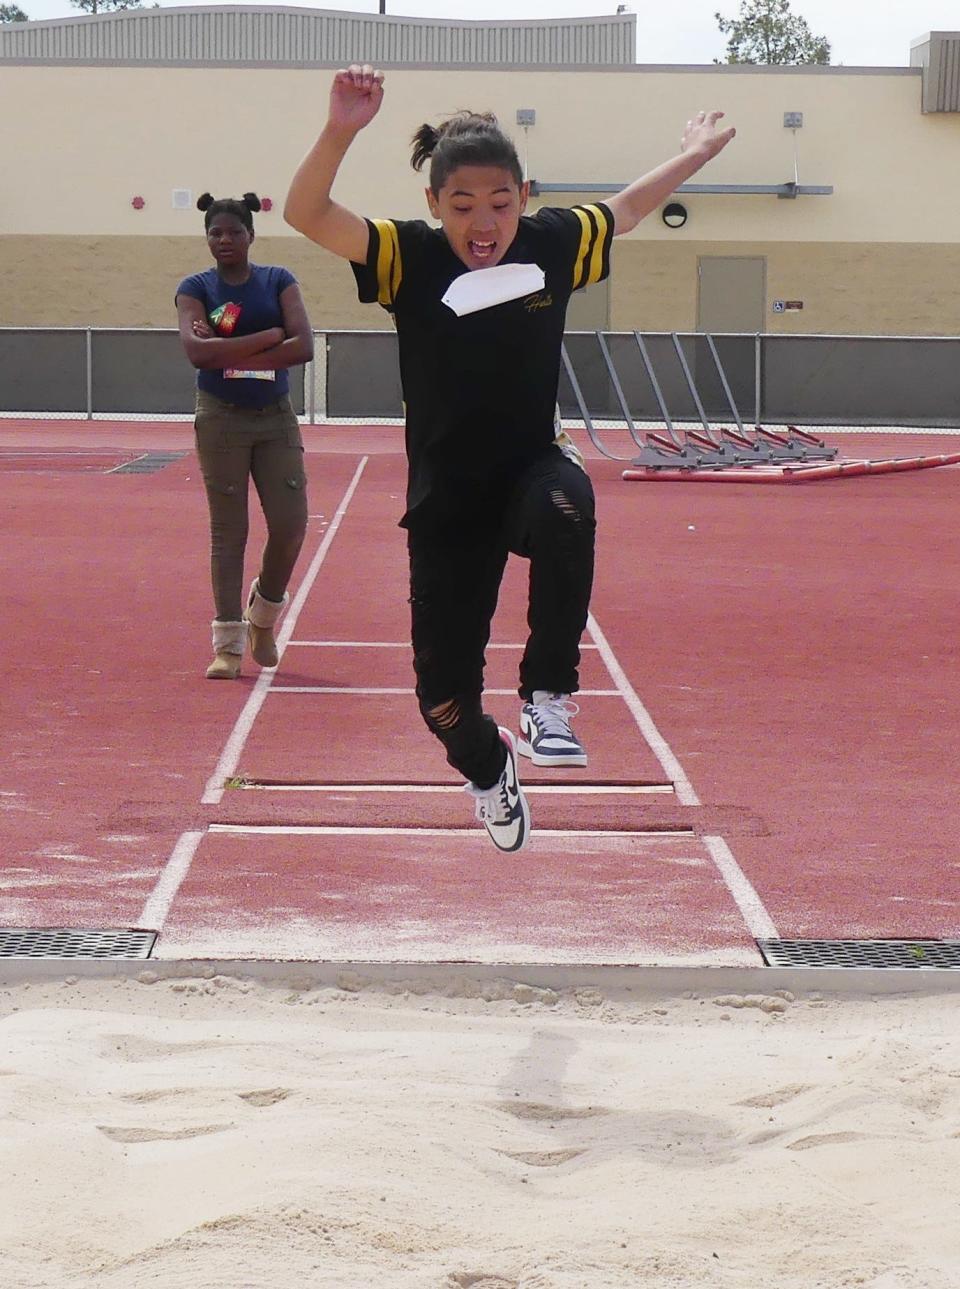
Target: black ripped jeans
[548, 518]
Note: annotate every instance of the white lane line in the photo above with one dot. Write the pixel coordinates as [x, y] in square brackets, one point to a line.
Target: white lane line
[349, 644]
[233, 750]
[142, 457]
[657, 743]
[372, 690]
[747, 900]
[757, 918]
[158, 903]
[570, 789]
[385, 644]
[333, 830]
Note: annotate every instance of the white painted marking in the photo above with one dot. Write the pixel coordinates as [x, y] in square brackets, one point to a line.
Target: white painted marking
[12, 454]
[333, 830]
[386, 644]
[559, 789]
[757, 918]
[142, 457]
[171, 878]
[657, 743]
[372, 690]
[233, 750]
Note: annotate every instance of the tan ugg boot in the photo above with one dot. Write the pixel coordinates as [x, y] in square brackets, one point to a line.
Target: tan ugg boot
[262, 615]
[229, 642]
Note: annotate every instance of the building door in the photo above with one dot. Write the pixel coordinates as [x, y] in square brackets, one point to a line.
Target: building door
[732, 294]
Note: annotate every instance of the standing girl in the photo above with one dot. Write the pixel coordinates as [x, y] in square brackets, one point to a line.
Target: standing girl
[242, 325]
[480, 364]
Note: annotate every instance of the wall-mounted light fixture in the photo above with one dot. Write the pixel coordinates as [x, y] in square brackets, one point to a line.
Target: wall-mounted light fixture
[793, 121]
[526, 117]
[674, 215]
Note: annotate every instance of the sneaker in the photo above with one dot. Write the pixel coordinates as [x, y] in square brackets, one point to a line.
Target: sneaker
[545, 733]
[503, 809]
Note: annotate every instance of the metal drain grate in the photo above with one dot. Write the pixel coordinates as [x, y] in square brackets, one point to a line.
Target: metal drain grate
[916, 954]
[149, 463]
[66, 942]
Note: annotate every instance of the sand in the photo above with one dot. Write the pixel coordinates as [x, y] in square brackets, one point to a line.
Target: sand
[218, 1132]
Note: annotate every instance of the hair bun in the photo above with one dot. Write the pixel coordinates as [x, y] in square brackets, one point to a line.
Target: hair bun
[424, 142]
[251, 201]
[204, 201]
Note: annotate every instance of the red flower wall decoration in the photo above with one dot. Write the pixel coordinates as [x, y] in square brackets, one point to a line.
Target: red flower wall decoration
[138, 203]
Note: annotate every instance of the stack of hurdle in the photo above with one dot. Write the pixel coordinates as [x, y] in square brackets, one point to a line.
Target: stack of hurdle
[730, 453]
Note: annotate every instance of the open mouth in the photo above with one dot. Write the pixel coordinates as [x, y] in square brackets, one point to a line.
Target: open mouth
[481, 250]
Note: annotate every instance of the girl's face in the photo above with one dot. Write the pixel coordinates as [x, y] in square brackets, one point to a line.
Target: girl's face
[479, 208]
[229, 240]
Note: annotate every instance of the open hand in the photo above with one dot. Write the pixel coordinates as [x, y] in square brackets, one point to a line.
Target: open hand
[702, 134]
[355, 96]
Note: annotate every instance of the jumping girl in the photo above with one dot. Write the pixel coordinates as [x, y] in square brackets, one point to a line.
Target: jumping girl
[479, 305]
[242, 325]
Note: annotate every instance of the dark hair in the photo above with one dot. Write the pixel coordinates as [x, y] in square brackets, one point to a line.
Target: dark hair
[466, 139]
[243, 208]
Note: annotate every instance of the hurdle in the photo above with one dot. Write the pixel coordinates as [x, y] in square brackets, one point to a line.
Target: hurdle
[719, 453]
[668, 447]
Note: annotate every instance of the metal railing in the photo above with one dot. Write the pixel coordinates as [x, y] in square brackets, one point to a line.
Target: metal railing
[99, 372]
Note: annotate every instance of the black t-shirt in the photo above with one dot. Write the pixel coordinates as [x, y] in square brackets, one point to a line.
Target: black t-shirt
[479, 390]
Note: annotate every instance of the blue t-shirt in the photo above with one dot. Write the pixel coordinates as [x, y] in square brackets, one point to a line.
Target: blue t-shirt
[254, 306]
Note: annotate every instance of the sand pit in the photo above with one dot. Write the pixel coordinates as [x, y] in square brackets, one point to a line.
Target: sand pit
[223, 1134]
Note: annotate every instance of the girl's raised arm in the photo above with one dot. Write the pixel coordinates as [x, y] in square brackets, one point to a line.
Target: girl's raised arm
[702, 139]
[355, 98]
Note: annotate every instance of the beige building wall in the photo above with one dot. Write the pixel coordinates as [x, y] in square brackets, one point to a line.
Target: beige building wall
[55, 280]
[878, 255]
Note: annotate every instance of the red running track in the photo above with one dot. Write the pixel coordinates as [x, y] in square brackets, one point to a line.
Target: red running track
[785, 657]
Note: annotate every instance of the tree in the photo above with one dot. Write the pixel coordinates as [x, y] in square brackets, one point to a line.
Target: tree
[12, 13]
[767, 32]
[106, 6]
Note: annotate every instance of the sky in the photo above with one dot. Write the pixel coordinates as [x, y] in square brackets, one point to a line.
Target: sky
[862, 33]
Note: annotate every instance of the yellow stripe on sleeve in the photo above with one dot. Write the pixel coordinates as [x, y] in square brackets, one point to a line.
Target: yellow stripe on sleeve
[586, 235]
[595, 272]
[389, 268]
[396, 272]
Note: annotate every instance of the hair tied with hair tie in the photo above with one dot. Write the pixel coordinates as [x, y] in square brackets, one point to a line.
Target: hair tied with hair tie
[424, 141]
[465, 139]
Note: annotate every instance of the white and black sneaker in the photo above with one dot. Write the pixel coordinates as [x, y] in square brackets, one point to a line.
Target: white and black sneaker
[545, 733]
[503, 809]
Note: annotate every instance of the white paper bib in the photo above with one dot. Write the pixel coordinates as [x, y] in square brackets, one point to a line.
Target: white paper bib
[483, 288]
